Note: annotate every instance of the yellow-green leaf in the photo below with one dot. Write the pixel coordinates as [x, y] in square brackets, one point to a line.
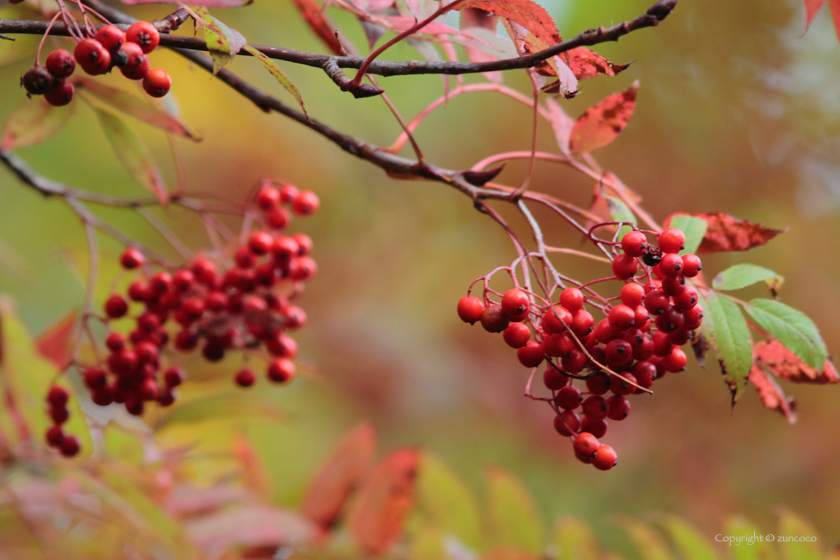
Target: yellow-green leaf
[32, 122]
[575, 539]
[512, 516]
[278, 74]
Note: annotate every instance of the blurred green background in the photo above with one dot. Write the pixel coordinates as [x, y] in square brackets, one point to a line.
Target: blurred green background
[736, 113]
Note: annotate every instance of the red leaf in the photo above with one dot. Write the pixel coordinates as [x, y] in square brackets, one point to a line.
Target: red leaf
[835, 15]
[587, 64]
[384, 501]
[783, 363]
[727, 233]
[771, 394]
[526, 13]
[54, 343]
[341, 473]
[314, 16]
[600, 124]
[249, 526]
[254, 472]
[811, 9]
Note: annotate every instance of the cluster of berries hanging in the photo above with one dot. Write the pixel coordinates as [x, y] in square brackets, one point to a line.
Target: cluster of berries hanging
[246, 307]
[637, 342]
[110, 47]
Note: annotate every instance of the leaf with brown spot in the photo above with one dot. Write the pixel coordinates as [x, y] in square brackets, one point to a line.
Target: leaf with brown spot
[727, 233]
[587, 64]
[783, 363]
[382, 505]
[55, 343]
[314, 16]
[602, 123]
[701, 347]
[771, 394]
[339, 476]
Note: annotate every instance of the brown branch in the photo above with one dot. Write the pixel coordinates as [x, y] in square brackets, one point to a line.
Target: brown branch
[590, 37]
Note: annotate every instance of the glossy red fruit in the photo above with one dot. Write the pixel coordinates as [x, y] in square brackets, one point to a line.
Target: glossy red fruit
[54, 436]
[70, 446]
[160, 283]
[157, 82]
[691, 266]
[143, 34]
[632, 295]
[656, 302]
[645, 373]
[515, 304]
[693, 317]
[60, 94]
[605, 458]
[532, 354]
[58, 396]
[670, 321]
[671, 240]
[277, 218]
[37, 80]
[624, 386]
[267, 198]
[174, 376]
[687, 299]
[493, 319]
[260, 242]
[554, 380]
[634, 243]
[281, 370]
[61, 64]
[568, 397]
[516, 335]
[624, 266]
[116, 306]
[282, 345]
[111, 37]
[586, 444]
[305, 203]
[470, 309]
[132, 258]
[555, 318]
[673, 286]
[213, 351]
[598, 383]
[245, 377]
[92, 57]
[574, 362]
[595, 407]
[304, 243]
[572, 299]
[671, 265]
[621, 317]
[617, 407]
[136, 64]
[618, 353]
[186, 340]
[582, 323]
[566, 423]
[675, 361]
[94, 377]
[645, 349]
[604, 332]
[597, 428]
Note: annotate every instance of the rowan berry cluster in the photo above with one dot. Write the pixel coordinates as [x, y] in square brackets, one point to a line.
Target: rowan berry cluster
[637, 342]
[204, 305]
[98, 54]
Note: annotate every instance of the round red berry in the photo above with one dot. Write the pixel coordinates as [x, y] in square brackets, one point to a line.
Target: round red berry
[554, 379]
[116, 306]
[60, 94]
[687, 299]
[671, 265]
[493, 319]
[532, 354]
[278, 218]
[656, 302]
[54, 436]
[624, 386]
[617, 407]
[566, 423]
[624, 266]
[556, 319]
[675, 361]
[605, 458]
[621, 317]
[515, 304]
[598, 383]
[595, 407]
[674, 285]
[618, 353]
[92, 56]
[568, 397]
[136, 64]
[61, 64]
[516, 335]
[574, 361]
[37, 81]
[245, 377]
[691, 265]
[267, 198]
[586, 444]
[571, 299]
[604, 331]
[132, 258]
[95, 377]
[634, 243]
[632, 295]
[469, 309]
[260, 242]
[58, 396]
[671, 240]
[111, 37]
[70, 446]
[281, 370]
[157, 82]
[671, 320]
[305, 203]
[143, 34]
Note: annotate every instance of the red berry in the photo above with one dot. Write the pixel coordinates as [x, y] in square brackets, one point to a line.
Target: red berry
[281, 370]
[160, 283]
[582, 322]
[604, 332]
[157, 82]
[60, 94]
[101, 396]
[92, 57]
[295, 317]
[605, 458]
[58, 396]
[122, 362]
[572, 299]
[656, 302]
[144, 34]
[675, 361]
[642, 318]
[61, 64]
[691, 265]
[134, 405]
[554, 380]
[617, 408]
[213, 351]
[493, 319]
[670, 321]
[515, 304]
[204, 270]
[304, 244]
[532, 354]
[165, 397]
[116, 306]
[624, 266]
[671, 265]
[566, 423]
[95, 377]
[692, 317]
[555, 318]
[680, 337]
[618, 353]
[673, 286]
[278, 218]
[671, 240]
[245, 377]
[516, 335]
[260, 242]
[586, 444]
[59, 414]
[645, 349]
[132, 258]
[136, 63]
[54, 436]
[623, 386]
[267, 198]
[687, 299]
[186, 340]
[645, 374]
[139, 290]
[621, 317]
[661, 345]
[305, 203]
[598, 383]
[37, 81]
[568, 397]
[595, 407]
[597, 428]
[634, 243]
[288, 193]
[574, 362]
[111, 37]
[70, 446]
[174, 376]
[305, 270]
[632, 295]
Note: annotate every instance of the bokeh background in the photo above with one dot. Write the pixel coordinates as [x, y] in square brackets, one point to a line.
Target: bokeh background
[737, 113]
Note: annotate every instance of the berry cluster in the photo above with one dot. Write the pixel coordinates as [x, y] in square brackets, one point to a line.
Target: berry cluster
[637, 342]
[110, 47]
[206, 305]
[57, 399]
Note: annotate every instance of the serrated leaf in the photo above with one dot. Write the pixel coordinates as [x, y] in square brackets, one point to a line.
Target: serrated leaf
[278, 74]
[791, 526]
[649, 544]
[771, 394]
[754, 549]
[795, 330]
[693, 228]
[727, 233]
[512, 516]
[731, 340]
[602, 123]
[526, 13]
[136, 107]
[783, 363]
[575, 539]
[691, 544]
[133, 153]
[447, 501]
[32, 122]
[742, 275]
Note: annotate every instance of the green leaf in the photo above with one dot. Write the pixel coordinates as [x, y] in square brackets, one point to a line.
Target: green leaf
[693, 228]
[223, 43]
[793, 526]
[730, 339]
[743, 275]
[512, 516]
[575, 539]
[427, 543]
[648, 543]
[620, 212]
[748, 550]
[447, 501]
[220, 407]
[136, 107]
[278, 74]
[691, 544]
[32, 122]
[132, 153]
[792, 328]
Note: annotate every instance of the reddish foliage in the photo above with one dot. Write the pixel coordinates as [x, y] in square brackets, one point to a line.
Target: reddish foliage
[783, 363]
[771, 394]
[587, 64]
[526, 13]
[727, 233]
[313, 14]
[54, 343]
[600, 124]
[339, 476]
[384, 501]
